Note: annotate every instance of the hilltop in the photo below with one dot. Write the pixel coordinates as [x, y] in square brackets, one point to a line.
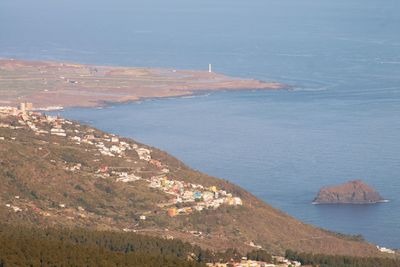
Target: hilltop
[60, 173]
[58, 84]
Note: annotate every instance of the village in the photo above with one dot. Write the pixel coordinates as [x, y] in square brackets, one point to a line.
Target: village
[277, 261]
[185, 197]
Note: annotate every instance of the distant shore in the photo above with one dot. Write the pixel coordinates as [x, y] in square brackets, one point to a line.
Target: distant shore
[60, 84]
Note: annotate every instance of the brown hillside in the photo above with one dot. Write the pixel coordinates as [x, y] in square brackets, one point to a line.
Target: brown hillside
[51, 180]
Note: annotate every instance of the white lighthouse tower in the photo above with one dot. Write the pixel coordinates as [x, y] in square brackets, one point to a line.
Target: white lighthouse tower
[209, 68]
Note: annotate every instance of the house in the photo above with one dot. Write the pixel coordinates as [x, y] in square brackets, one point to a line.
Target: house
[114, 139]
[172, 212]
[76, 138]
[115, 149]
[58, 132]
[237, 201]
[197, 195]
[208, 196]
[188, 196]
[144, 154]
[103, 169]
[213, 188]
[385, 250]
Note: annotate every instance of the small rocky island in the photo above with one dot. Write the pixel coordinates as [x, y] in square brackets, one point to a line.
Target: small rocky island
[353, 192]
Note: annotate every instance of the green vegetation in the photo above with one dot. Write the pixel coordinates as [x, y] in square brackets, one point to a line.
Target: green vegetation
[340, 261]
[32, 247]
[259, 255]
[25, 246]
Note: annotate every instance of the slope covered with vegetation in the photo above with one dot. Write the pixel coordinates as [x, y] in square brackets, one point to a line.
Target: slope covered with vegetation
[27, 246]
[32, 247]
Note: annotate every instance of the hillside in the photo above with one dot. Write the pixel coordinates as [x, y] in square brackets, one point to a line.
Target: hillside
[55, 172]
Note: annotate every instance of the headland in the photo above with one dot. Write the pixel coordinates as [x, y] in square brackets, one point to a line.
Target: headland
[54, 85]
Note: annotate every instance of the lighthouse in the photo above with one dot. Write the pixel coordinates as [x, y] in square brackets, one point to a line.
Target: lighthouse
[209, 68]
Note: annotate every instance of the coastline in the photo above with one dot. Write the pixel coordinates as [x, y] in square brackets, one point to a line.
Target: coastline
[48, 84]
[191, 93]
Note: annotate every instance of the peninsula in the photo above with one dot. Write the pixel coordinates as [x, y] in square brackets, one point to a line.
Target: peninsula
[353, 192]
[57, 84]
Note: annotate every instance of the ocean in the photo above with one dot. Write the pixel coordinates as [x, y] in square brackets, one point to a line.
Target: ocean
[341, 120]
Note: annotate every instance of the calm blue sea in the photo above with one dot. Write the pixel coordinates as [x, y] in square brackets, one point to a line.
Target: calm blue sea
[341, 121]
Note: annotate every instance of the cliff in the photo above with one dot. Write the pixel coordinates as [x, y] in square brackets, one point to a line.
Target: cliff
[353, 192]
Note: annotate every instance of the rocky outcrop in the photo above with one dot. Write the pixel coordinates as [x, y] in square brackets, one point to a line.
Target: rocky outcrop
[353, 192]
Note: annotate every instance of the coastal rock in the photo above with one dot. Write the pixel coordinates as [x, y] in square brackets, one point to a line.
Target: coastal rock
[353, 192]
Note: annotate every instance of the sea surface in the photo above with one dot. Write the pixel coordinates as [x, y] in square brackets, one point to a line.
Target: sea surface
[340, 122]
